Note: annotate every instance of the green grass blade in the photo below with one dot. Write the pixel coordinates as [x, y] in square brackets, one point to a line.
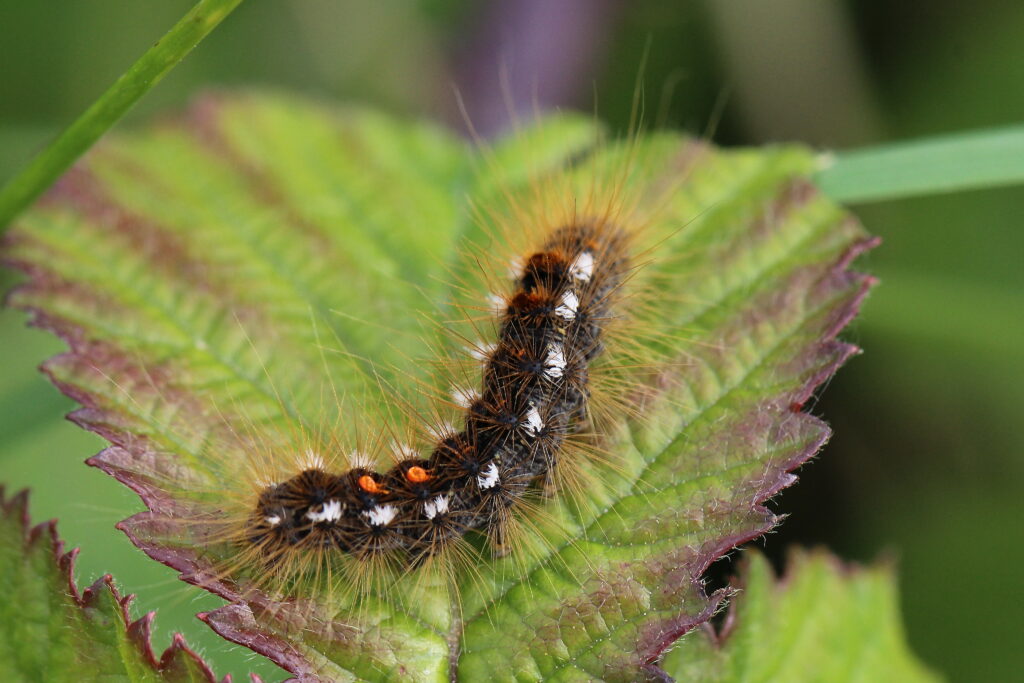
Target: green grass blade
[965, 161]
[111, 106]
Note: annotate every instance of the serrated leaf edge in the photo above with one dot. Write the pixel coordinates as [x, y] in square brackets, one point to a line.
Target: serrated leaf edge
[229, 621]
[785, 477]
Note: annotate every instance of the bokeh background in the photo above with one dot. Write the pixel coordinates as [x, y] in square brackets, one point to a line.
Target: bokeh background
[926, 465]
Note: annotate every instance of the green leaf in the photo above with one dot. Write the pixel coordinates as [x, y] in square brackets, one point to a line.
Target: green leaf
[51, 631]
[45, 168]
[819, 622]
[198, 270]
[964, 161]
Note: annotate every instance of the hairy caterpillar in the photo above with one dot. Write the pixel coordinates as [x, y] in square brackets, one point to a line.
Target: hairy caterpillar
[496, 434]
[534, 391]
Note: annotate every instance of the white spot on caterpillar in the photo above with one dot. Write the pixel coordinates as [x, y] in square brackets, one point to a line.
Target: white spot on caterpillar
[311, 460]
[582, 268]
[555, 362]
[381, 515]
[482, 351]
[568, 306]
[532, 422]
[489, 478]
[272, 520]
[497, 303]
[441, 431]
[403, 450]
[360, 460]
[435, 507]
[515, 269]
[464, 397]
[329, 512]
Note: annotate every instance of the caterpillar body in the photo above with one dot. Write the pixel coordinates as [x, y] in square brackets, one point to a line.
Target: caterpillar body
[533, 393]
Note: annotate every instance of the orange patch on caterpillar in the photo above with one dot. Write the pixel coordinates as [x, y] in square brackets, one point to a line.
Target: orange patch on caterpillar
[368, 484]
[417, 475]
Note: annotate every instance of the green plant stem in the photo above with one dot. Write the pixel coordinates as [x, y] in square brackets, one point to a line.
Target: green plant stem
[49, 164]
[964, 161]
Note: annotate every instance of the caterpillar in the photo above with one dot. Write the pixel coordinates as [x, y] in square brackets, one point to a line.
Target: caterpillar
[274, 498]
[520, 422]
[533, 392]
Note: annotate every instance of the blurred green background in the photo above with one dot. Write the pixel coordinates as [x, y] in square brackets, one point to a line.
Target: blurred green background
[926, 465]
